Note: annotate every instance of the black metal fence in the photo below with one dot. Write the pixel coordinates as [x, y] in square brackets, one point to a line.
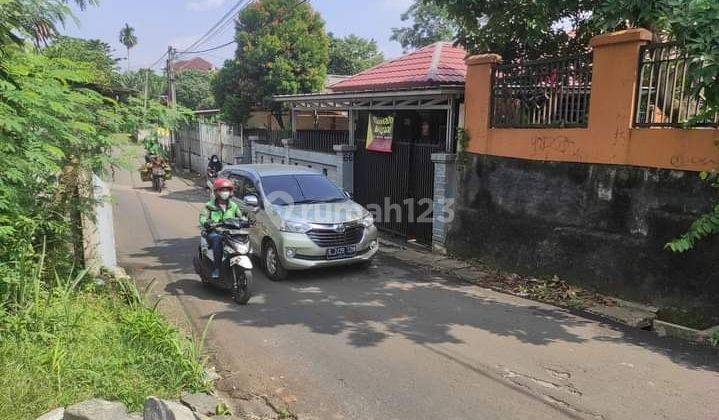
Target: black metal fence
[314, 140]
[667, 93]
[398, 187]
[543, 93]
[265, 136]
[320, 140]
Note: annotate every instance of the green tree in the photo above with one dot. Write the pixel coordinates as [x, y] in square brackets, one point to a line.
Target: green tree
[194, 89]
[518, 29]
[430, 23]
[695, 25]
[352, 54]
[128, 39]
[91, 51]
[135, 80]
[282, 48]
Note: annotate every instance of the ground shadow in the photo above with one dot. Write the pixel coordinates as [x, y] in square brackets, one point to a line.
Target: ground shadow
[193, 195]
[394, 298]
[370, 305]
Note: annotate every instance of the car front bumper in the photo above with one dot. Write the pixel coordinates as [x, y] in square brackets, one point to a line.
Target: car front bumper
[307, 255]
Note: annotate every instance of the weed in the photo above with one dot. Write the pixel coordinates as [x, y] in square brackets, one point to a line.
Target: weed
[222, 410]
[75, 341]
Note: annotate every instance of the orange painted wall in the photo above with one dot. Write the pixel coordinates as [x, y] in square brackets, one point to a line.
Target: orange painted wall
[610, 137]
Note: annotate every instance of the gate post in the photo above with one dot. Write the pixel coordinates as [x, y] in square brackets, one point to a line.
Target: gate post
[445, 192]
[345, 166]
[287, 144]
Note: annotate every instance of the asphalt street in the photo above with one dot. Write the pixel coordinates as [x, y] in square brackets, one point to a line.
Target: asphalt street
[397, 342]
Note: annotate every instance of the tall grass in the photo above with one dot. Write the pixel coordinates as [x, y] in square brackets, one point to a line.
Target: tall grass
[70, 339]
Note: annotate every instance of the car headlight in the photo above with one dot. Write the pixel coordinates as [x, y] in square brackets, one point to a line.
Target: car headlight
[368, 220]
[294, 227]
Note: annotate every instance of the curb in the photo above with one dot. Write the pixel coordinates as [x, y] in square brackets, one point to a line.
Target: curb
[631, 314]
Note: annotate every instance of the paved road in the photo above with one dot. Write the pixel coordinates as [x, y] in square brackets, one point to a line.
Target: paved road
[395, 342]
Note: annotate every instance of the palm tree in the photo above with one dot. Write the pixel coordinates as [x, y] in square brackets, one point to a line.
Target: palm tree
[36, 19]
[129, 40]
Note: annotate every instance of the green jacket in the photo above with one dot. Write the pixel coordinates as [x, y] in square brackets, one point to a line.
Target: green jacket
[213, 213]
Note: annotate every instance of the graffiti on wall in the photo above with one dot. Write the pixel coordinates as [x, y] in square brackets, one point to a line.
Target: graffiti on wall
[544, 145]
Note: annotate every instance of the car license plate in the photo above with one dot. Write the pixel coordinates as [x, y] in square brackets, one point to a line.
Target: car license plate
[341, 252]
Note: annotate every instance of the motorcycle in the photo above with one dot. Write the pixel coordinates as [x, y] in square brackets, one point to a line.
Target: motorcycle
[211, 177]
[214, 166]
[236, 271]
[158, 179]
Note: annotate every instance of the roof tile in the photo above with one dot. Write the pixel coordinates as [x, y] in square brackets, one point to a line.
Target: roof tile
[439, 63]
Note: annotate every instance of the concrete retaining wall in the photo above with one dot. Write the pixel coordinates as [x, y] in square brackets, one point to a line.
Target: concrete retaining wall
[602, 226]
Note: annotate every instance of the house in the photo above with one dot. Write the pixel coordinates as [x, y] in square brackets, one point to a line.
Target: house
[418, 97]
[197, 63]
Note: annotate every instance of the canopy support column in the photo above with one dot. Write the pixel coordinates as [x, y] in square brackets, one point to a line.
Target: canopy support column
[450, 125]
[351, 126]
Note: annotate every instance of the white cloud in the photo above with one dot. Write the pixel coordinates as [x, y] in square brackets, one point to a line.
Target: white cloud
[204, 5]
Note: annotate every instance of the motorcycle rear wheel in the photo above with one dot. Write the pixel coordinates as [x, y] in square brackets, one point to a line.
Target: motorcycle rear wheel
[241, 285]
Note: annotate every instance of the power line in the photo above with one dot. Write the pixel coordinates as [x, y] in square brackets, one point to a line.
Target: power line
[210, 49]
[223, 20]
[158, 61]
[220, 27]
[226, 25]
[204, 38]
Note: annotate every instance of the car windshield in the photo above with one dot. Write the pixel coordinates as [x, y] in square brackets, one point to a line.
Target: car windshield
[283, 190]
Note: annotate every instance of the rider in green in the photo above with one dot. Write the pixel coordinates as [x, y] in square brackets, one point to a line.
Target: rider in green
[216, 210]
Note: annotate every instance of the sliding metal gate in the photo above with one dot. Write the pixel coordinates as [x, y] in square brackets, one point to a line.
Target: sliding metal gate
[398, 187]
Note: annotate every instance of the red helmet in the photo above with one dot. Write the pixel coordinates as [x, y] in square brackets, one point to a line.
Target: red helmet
[222, 183]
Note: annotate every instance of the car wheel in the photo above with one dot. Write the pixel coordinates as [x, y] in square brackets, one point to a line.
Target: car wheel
[272, 263]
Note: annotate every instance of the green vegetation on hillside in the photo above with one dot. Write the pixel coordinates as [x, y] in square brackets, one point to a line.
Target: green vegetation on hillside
[63, 338]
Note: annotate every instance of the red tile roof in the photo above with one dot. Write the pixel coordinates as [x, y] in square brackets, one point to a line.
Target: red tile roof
[436, 64]
[197, 63]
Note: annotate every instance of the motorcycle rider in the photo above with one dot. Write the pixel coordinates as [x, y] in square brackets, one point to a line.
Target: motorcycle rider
[157, 166]
[216, 210]
[215, 164]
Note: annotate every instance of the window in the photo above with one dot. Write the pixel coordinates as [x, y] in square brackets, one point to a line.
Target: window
[283, 190]
[243, 186]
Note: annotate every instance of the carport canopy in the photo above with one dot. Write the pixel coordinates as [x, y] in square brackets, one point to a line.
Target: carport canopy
[442, 98]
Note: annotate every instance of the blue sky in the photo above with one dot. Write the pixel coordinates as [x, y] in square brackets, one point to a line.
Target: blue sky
[159, 23]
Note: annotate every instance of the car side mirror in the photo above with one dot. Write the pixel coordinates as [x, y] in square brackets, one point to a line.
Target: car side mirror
[251, 200]
[348, 194]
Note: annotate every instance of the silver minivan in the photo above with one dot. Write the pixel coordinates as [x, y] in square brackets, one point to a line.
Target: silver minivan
[302, 219]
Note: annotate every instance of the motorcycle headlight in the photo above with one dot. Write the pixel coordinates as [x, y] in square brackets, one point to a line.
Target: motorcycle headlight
[241, 247]
[368, 220]
[294, 227]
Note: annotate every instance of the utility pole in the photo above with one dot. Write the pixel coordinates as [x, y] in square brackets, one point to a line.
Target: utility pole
[147, 81]
[172, 100]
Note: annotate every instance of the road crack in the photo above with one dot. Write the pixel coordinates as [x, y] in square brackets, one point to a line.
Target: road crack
[569, 388]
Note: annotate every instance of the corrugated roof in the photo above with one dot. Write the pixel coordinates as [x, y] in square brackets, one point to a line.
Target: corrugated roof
[438, 64]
